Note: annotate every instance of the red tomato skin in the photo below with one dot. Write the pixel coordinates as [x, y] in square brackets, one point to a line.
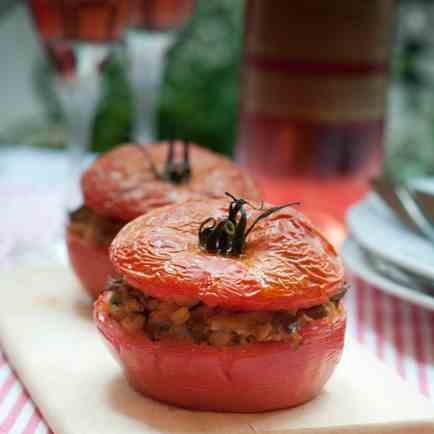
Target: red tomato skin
[248, 378]
[286, 263]
[120, 183]
[90, 262]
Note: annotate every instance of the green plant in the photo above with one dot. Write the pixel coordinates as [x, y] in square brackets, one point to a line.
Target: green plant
[112, 124]
[200, 88]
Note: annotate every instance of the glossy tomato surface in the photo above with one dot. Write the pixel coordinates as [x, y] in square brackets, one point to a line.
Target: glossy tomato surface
[244, 378]
[90, 262]
[120, 184]
[286, 263]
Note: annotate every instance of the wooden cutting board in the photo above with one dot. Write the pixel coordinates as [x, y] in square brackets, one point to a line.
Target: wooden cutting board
[47, 332]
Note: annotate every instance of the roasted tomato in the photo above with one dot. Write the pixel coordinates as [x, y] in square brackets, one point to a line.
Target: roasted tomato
[131, 180]
[225, 307]
[285, 264]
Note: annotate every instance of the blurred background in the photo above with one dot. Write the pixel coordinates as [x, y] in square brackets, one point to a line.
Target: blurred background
[314, 99]
[200, 86]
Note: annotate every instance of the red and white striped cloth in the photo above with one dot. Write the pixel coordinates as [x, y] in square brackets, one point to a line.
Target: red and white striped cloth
[400, 334]
[18, 414]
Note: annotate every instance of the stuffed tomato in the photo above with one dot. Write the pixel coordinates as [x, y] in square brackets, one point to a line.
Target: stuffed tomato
[224, 306]
[132, 180]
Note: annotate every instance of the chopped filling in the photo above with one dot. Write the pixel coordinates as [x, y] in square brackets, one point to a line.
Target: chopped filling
[88, 225]
[198, 323]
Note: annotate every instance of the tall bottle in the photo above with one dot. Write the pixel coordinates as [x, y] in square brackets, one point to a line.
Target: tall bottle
[313, 92]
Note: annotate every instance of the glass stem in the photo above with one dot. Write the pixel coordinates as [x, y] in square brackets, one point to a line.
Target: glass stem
[79, 94]
[147, 54]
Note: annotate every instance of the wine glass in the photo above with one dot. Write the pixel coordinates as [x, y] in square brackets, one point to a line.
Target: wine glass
[78, 37]
[153, 26]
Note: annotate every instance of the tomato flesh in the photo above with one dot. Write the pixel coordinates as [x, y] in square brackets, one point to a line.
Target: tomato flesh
[243, 378]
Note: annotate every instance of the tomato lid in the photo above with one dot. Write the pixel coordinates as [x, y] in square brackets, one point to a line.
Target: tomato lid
[125, 182]
[285, 262]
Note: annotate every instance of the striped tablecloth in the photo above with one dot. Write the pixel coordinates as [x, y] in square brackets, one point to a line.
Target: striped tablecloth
[400, 334]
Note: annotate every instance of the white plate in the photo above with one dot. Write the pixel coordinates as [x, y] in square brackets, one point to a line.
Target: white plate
[356, 263]
[377, 230]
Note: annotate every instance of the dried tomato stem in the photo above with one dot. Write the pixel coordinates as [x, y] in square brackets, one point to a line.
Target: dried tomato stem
[228, 236]
[175, 172]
